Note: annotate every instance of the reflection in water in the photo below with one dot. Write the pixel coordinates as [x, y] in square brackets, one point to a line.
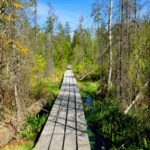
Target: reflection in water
[99, 142]
[89, 101]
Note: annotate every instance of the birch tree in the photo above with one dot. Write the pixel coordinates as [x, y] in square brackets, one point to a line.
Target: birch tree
[50, 29]
[96, 14]
[110, 44]
[16, 60]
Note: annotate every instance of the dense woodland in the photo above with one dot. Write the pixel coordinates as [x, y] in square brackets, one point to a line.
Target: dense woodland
[114, 52]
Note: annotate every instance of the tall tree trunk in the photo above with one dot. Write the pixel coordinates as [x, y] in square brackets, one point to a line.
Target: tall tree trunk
[149, 84]
[121, 47]
[118, 53]
[36, 21]
[2, 67]
[51, 55]
[135, 10]
[92, 52]
[16, 71]
[98, 46]
[129, 30]
[149, 97]
[3, 27]
[137, 27]
[110, 44]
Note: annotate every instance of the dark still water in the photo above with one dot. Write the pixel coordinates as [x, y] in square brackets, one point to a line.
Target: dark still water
[98, 142]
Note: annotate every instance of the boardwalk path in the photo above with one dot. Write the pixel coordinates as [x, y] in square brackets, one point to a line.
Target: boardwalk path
[65, 128]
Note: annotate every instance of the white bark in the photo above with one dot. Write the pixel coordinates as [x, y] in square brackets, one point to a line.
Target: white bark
[136, 99]
[51, 55]
[18, 107]
[17, 100]
[86, 75]
[110, 43]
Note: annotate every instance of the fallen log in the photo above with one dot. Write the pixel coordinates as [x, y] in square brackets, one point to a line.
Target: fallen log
[37, 106]
[86, 76]
[136, 99]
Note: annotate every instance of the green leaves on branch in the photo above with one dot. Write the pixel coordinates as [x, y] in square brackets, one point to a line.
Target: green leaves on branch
[39, 64]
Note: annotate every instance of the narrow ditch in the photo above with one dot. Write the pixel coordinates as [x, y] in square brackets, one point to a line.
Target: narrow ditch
[99, 143]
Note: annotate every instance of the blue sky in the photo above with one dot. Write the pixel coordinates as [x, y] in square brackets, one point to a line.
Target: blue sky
[72, 10]
[66, 10]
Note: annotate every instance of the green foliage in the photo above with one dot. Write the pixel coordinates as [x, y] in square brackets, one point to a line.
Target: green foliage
[118, 128]
[124, 132]
[27, 146]
[42, 87]
[91, 137]
[87, 88]
[40, 64]
[53, 88]
[33, 126]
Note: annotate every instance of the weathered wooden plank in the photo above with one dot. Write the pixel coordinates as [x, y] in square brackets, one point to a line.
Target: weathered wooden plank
[46, 135]
[66, 122]
[70, 135]
[58, 135]
[82, 136]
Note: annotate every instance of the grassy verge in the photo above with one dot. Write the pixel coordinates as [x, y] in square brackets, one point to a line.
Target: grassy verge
[87, 88]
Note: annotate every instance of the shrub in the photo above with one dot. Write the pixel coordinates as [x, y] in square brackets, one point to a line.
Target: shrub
[33, 126]
[39, 90]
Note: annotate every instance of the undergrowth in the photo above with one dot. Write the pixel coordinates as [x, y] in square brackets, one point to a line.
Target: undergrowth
[33, 126]
[34, 123]
[122, 131]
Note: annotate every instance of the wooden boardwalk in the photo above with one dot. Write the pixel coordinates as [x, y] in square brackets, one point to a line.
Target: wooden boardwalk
[65, 128]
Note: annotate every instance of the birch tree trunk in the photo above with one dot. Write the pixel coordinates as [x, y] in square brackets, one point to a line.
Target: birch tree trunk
[51, 55]
[110, 44]
[16, 71]
[138, 97]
